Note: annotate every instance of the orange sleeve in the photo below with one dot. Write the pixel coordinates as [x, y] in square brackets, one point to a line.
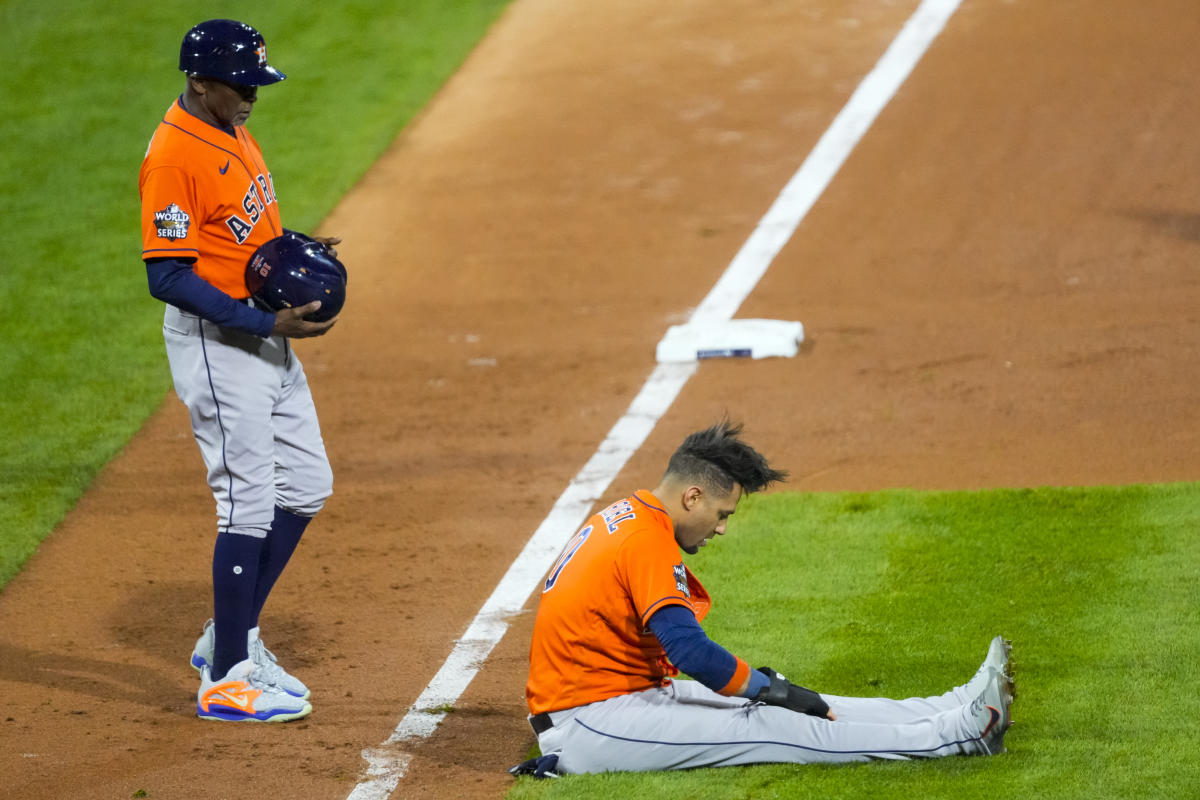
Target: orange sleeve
[654, 574]
[170, 215]
[737, 681]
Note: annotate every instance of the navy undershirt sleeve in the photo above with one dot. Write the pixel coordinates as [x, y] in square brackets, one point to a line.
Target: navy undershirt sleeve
[174, 282]
[690, 649]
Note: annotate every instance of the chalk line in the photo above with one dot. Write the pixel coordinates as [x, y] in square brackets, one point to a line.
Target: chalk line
[387, 763]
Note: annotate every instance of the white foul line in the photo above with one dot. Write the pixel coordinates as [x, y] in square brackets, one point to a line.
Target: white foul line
[387, 764]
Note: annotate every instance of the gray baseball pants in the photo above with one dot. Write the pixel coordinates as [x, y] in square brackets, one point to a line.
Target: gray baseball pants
[685, 725]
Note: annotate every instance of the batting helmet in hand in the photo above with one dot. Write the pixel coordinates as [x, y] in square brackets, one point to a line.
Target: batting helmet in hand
[229, 50]
[293, 270]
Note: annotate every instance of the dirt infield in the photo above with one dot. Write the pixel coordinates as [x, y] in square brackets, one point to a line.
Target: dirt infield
[1000, 289]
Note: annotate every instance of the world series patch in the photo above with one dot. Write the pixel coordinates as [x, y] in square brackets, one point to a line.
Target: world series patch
[681, 582]
[172, 222]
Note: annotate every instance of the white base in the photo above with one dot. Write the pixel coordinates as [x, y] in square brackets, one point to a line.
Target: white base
[736, 338]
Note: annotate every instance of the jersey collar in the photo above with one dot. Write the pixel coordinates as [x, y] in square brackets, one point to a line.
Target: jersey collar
[194, 124]
[654, 504]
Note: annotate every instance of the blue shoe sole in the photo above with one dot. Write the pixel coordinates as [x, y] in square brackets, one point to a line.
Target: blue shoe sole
[221, 715]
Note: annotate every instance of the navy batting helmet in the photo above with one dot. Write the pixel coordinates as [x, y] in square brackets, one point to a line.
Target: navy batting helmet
[229, 50]
[293, 270]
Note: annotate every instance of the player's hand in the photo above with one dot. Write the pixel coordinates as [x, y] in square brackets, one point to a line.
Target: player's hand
[329, 242]
[781, 692]
[290, 322]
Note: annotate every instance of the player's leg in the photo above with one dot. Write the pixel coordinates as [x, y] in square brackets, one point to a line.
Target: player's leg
[247, 369]
[286, 531]
[303, 479]
[887, 710]
[234, 576]
[226, 384]
[686, 725]
[229, 385]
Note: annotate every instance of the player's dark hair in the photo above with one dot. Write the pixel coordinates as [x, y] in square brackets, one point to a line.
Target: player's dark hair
[716, 458]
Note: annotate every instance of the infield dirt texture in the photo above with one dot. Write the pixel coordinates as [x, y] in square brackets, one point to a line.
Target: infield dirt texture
[1000, 288]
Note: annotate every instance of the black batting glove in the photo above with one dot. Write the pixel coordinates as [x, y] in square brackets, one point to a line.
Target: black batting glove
[780, 692]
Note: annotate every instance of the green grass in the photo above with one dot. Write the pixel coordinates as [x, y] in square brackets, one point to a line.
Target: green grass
[898, 593]
[84, 84]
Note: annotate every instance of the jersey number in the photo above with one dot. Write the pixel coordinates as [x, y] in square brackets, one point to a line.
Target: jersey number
[618, 512]
[567, 554]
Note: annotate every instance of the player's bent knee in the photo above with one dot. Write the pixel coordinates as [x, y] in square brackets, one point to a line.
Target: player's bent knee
[303, 506]
[306, 496]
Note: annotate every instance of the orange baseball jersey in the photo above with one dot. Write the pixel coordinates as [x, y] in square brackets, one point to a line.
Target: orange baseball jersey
[206, 195]
[590, 637]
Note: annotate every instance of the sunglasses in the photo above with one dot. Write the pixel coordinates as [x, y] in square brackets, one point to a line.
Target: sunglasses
[245, 92]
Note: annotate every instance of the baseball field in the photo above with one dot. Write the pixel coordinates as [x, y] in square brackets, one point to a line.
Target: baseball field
[991, 428]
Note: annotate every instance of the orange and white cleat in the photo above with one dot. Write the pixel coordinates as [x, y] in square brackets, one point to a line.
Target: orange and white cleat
[242, 696]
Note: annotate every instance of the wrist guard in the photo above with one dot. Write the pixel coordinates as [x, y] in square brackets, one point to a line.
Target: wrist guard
[781, 692]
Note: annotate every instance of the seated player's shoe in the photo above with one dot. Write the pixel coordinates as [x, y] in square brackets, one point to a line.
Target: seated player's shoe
[271, 672]
[241, 697]
[997, 660]
[998, 654]
[992, 711]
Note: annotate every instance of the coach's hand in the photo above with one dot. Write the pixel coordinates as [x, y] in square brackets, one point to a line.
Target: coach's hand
[780, 692]
[329, 242]
[290, 322]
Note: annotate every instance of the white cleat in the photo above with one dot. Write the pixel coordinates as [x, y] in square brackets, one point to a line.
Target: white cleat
[992, 711]
[998, 654]
[996, 661]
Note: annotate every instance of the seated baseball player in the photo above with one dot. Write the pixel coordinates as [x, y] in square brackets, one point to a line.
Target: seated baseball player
[620, 617]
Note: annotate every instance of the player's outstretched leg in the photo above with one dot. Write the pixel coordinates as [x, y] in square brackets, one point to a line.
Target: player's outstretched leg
[684, 725]
[881, 709]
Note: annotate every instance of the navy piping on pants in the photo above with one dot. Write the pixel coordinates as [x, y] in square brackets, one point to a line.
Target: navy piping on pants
[220, 424]
[767, 741]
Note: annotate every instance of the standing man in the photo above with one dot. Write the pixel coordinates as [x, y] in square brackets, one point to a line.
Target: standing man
[208, 201]
[619, 618]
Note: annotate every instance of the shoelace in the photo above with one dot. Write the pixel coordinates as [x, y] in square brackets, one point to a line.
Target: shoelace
[271, 673]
